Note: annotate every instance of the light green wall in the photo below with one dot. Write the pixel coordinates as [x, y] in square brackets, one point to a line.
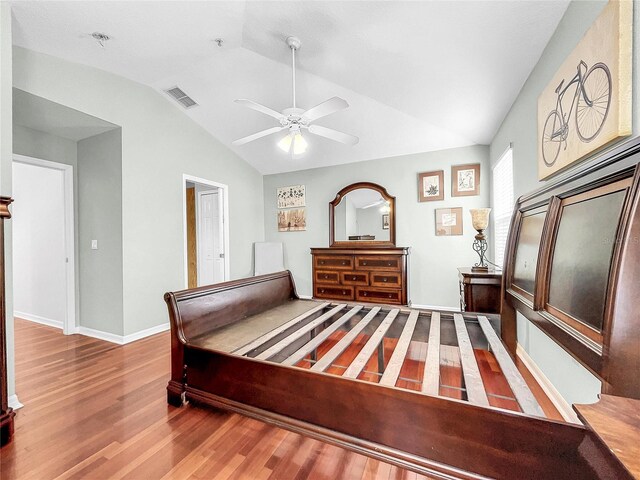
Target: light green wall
[159, 145]
[519, 127]
[6, 151]
[433, 276]
[100, 200]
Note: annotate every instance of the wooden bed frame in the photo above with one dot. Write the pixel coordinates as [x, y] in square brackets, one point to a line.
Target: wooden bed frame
[253, 347]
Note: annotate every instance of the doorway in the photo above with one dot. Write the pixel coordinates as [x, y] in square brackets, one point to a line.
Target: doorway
[206, 236]
[43, 242]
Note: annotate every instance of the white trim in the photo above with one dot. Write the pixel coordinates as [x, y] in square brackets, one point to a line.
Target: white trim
[38, 319]
[14, 402]
[70, 322]
[225, 204]
[434, 307]
[305, 297]
[119, 339]
[549, 389]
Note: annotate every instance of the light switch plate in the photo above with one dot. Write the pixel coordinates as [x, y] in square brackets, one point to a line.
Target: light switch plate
[94, 244]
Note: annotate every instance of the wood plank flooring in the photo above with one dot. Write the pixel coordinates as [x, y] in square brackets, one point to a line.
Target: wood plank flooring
[95, 410]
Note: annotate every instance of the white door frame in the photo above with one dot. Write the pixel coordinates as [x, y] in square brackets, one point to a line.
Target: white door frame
[69, 324]
[222, 189]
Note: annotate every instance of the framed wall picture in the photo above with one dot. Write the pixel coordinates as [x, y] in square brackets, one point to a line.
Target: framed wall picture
[431, 186]
[587, 103]
[385, 221]
[294, 220]
[465, 180]
[293, 196]
[448, 221]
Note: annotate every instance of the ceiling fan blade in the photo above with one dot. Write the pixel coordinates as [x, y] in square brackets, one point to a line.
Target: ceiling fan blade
[255, 136]
[260, 108]
[327, 107]
[374, 204]
[333, 134]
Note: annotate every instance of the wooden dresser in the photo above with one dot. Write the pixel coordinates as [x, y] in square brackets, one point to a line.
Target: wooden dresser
[377, 275]
[480, 291]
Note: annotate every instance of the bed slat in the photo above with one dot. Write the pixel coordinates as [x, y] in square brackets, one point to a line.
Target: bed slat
[392, 372]
[472, 379]
[277, 331]
[523, 395]
[321, 337]
[289, 339]
[361, 360]
[328, 358]
[431, 378]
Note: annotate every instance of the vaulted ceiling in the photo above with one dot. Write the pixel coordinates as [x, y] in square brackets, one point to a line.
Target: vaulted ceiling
[419, 75]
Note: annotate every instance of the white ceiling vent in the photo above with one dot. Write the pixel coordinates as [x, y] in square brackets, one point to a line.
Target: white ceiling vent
[182, 98]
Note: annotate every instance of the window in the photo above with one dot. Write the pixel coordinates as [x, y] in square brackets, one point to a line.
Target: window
[502, 203]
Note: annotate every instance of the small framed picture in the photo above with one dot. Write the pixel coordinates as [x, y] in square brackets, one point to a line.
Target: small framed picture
[465, 180]
[385, 221]
[431, 186]
[293, 196]
[448, 221]
[294, 220]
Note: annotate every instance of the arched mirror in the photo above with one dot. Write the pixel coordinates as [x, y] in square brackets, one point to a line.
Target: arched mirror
[362, 214]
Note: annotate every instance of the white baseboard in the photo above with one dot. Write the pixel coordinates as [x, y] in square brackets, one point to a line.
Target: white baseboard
[120, 339]
[14, 402]
[556, 398]
[435, 307]
[38, 319]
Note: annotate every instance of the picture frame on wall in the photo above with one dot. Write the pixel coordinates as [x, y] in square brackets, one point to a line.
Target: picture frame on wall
[465, 180]
[448, 221]
[385, 221]
[294, 220]
[292, 196]
[431, 186]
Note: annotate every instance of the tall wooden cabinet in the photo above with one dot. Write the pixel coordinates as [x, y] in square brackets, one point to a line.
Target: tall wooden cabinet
[6, 413]
[377, 275]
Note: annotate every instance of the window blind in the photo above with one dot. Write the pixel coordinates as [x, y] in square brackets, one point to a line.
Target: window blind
[502, 203]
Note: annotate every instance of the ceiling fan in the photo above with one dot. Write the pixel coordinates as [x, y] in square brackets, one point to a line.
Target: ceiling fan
[297, 119]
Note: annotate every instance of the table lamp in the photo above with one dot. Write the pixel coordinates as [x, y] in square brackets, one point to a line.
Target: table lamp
[480, 221]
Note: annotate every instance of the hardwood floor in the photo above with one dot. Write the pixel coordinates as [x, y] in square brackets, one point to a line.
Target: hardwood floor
[95, 410]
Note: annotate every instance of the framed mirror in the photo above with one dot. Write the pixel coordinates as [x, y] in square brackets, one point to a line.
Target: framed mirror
[362, 215]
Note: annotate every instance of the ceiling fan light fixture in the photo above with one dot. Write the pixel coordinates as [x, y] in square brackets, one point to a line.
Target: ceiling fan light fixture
[285, 143]
[299, 144]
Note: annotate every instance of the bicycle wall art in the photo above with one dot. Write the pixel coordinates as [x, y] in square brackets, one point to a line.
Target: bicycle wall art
[587, 104]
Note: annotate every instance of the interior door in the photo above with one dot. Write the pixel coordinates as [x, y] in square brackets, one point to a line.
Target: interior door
[210, 238]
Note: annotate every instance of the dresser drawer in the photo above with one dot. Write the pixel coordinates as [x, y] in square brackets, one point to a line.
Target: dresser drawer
[334, 292]
[338, 262]
[385, 279]
[378, 262]
[382, 295]
[354, 278]
[323, 276]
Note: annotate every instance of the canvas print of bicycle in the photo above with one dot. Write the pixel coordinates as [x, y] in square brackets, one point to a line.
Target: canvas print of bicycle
[587, 104]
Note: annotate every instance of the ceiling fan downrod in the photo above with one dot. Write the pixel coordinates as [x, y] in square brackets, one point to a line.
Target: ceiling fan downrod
[294, 44]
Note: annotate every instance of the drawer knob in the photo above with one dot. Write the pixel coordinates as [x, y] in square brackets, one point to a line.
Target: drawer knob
[321, 262]
[326, 276]
[390, 296]
[364, 263]
[364, 294]
[322, 291]
[344, 292]
[344, 263]
[354, 278]
[384, 279]
[389, 263]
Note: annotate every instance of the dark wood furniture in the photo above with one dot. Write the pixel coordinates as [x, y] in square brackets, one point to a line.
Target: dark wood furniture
[378, 275]
[480, 291]
[292, 372]
[572, 267]
[6, 413]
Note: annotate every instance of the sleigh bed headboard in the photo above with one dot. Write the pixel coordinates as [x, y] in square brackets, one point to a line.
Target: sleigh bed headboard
[572, 266]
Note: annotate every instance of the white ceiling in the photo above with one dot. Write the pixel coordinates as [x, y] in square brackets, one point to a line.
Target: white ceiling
[419, 76]
[46, 116]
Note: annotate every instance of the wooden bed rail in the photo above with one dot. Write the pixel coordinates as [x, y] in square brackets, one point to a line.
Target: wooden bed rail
[198, 311]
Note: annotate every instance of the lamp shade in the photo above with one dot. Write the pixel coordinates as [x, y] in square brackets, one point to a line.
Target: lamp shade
[480, 218]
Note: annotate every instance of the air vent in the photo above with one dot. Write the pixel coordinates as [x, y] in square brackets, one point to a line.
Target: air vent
[182, 98]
